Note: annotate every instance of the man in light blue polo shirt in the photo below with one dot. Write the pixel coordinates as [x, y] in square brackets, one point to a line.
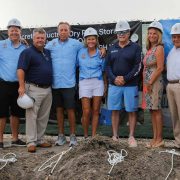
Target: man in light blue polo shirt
[10, 50]
[64, 52]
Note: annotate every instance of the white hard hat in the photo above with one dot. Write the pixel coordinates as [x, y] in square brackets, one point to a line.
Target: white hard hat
[14, 22]
[122, 26]
[25, 101]
[156, 25]
[90, 32]
[175, 29]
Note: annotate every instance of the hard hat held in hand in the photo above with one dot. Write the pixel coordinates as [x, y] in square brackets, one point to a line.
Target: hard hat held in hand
[122, 26]
[156, 25]
[175, 29]
[14, 22]
[25, 101]
[90, 32]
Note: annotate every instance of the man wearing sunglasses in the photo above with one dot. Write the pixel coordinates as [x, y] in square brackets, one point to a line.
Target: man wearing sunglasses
[123, 67]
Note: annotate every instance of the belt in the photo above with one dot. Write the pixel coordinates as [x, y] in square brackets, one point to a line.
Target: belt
[1, 79]
[39, 85]
[174, 81]
[8, 82]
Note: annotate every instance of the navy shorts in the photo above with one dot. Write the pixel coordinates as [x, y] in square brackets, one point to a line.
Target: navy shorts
[8, 100]
[64, 97]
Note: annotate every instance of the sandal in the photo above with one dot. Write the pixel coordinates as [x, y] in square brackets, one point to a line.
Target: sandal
[158, 145]
[115, 138]
[151, 144]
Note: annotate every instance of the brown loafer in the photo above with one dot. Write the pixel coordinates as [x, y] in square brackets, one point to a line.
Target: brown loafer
[32, 149]
[44, 145]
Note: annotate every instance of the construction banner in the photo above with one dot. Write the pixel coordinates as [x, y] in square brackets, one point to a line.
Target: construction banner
[105, 32]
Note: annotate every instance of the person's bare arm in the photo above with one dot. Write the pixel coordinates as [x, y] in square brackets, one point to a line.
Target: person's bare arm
[154, 63]
[21, 77]
[102, 52]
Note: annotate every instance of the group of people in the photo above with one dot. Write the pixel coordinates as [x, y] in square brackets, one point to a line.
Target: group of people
[123, 67]
[154, 64]
[46, 73]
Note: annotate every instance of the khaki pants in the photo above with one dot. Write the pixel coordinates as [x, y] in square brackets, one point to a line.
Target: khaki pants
[37, 117]
[173, 94]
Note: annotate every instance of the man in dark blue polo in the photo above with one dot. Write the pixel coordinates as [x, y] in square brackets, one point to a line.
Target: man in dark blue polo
[35, 79]
[123, 68]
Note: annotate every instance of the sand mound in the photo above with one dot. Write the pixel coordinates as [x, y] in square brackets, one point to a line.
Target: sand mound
[88, 161]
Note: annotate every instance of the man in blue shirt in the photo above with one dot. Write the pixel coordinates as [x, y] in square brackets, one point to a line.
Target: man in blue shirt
[123, 67]
[35, 75]
[9, 54]
[64, 52]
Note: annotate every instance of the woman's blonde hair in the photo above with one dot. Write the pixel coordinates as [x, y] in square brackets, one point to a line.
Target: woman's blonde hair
[97, 41]
[159, 42]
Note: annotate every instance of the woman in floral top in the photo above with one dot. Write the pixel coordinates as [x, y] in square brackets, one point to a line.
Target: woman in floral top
[153, 82]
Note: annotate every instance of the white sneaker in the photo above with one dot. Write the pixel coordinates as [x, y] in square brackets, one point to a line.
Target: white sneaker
[61, 140]
[73, 140]
[132, 142]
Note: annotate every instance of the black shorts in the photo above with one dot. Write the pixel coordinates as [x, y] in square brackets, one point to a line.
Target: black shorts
[64, 97]
[8, 100]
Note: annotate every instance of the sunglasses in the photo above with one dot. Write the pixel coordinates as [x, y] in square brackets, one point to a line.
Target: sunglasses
[122, 32]
[45, 56]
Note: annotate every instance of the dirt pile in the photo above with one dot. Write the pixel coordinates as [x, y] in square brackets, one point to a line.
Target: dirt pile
[88, 161]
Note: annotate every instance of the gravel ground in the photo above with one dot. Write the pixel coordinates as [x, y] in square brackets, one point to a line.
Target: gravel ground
[88, 161]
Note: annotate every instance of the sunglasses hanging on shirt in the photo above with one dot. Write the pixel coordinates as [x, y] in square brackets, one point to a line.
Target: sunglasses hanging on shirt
[45, 56]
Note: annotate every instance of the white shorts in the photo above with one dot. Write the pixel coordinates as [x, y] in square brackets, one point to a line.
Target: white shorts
[91, 87]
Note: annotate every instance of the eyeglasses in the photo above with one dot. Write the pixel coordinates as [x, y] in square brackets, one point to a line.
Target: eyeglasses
[121, 33]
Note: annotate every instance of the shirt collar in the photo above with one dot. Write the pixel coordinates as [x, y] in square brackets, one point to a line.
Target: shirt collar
[36, 49]
[96, 54]
[11, 43]
[62, 42]
[117, 44]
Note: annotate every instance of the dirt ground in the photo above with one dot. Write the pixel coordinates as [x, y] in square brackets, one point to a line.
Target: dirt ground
[88, 161]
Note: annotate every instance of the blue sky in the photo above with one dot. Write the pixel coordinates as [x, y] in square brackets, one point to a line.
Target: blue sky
[34, 13]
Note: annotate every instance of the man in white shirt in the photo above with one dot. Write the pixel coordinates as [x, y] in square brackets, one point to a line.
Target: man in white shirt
[173, 87]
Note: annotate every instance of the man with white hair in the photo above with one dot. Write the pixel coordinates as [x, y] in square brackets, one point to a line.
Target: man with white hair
[123, 68]
[173, 87]
[10, 50]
